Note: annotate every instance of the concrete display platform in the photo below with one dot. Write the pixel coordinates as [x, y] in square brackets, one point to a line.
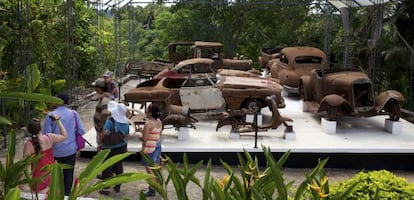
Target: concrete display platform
[356, 142]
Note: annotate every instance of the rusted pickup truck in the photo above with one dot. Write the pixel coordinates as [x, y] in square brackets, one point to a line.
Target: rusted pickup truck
[179, 51]
[347, 92]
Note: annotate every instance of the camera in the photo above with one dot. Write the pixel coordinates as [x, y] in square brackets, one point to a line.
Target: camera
[53, 118]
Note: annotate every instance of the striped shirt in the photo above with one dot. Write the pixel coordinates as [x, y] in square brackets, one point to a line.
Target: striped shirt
[152, 139]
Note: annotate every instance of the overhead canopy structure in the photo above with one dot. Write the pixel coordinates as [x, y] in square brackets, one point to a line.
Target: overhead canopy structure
[355, 3]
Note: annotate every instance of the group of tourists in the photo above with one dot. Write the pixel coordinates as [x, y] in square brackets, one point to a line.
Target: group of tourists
[55, 139]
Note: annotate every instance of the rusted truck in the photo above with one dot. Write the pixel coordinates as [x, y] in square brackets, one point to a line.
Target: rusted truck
[348, 92]
[179, 51]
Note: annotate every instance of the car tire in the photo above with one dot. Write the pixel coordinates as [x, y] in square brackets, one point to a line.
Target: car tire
[253, 105]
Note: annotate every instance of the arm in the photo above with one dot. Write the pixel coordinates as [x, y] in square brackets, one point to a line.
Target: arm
[145, 133]
[28, 149]
[56, 137]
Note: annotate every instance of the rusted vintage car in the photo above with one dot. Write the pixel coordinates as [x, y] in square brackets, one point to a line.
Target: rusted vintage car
[205, 94]
[295, 62]
[267, 56]
[347, 92]
[202, 66]
[187, 67]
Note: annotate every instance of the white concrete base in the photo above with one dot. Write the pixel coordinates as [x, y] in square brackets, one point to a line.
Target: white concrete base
[183, 133]
[328, 127]
[285, 94]
[234, 135]
[393, 127]
[289, 135]
[305, 106]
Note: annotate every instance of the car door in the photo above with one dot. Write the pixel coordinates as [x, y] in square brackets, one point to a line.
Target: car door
[200, 95]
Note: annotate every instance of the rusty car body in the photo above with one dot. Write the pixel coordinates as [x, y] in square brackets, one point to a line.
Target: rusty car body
[204, 94]
[347, 92]
[295, 62]
[202, 66]
[187, 67]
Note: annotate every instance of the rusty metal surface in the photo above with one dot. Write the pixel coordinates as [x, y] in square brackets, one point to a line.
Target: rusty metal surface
[188, 67]
[294, 62]
[237, 119]
[268, 54]
[237, 91]
[348, 92]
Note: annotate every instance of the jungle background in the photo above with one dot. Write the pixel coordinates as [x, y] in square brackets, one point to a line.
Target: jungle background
[77, 40]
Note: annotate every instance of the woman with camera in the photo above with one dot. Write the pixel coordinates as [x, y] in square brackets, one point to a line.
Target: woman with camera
[42, 144]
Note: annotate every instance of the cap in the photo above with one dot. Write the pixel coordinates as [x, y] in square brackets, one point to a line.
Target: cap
[100, 82]
[107, 74]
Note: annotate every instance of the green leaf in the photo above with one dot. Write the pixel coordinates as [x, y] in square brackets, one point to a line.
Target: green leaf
[57, 189]
[4, 121]
[116, 180]
[207, 190]
[32, 97]
[59, 85]
[13, 194]
[89, 172]
[32, 74]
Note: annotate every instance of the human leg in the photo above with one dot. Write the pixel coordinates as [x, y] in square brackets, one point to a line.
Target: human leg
[67, 173]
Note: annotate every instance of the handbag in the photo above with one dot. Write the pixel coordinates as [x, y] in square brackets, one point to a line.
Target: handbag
[114, 137]
[80, 141]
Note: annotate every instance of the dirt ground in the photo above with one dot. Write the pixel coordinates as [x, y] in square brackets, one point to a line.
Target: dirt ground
[131, 190]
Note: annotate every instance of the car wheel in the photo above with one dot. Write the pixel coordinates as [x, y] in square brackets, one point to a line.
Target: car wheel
[393, 110]
[253, 105]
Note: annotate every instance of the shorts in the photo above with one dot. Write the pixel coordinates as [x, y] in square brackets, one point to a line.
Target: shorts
[155, 156]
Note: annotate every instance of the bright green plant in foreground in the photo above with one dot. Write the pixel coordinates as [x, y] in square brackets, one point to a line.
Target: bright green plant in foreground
[380, 184]
[83, 184]
[249, 183]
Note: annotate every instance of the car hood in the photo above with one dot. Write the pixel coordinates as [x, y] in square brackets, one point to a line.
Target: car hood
[249, 83]
[345, 77]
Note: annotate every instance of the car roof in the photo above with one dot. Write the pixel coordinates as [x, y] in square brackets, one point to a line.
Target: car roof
[292, 52]
[207, 61]
[208, 44]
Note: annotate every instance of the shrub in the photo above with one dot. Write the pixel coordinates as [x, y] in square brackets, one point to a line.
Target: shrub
[380, 184]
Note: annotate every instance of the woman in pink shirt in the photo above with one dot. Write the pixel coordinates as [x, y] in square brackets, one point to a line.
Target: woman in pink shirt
[39, 143]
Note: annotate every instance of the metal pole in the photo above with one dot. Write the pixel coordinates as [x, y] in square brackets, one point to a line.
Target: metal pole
[255, 129]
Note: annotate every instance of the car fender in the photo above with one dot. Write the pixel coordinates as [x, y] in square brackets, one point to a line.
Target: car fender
[306, 88]
[334, 100]
[384, 97]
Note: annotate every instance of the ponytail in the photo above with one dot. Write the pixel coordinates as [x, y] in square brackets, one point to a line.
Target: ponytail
[34, 128]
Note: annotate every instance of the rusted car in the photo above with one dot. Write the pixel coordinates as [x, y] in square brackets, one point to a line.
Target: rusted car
[295, 62]
[347, 92]
[204, 94]
[188, 67]
[202, 66]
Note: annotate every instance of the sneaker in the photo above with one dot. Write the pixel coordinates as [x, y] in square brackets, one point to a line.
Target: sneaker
[104, 192]
[117, 188]
[149, 192]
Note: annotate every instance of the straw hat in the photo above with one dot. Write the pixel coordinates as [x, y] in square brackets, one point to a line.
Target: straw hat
[118, 111]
